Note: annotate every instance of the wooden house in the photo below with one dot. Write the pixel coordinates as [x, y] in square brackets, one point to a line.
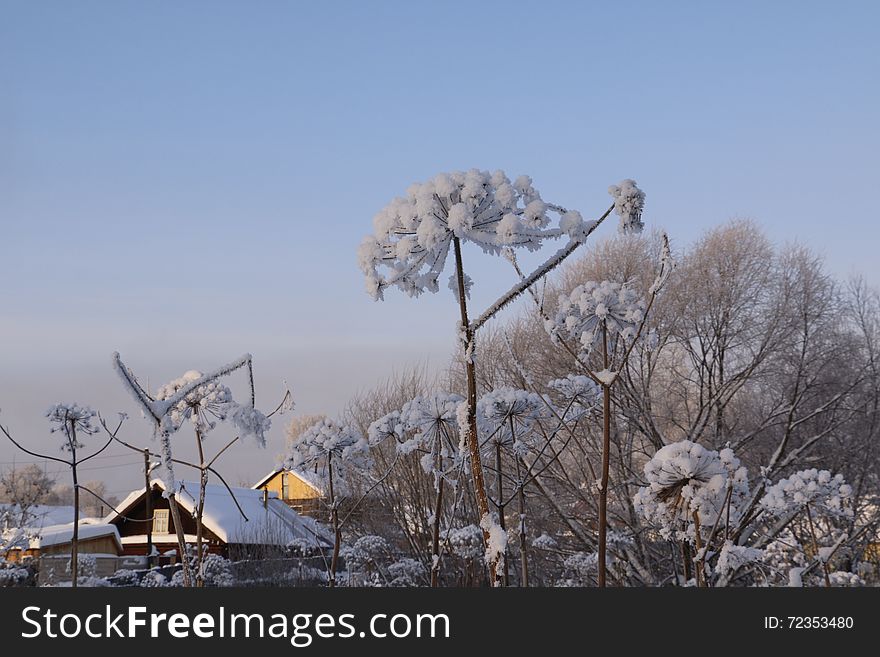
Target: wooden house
[238, 523]
[296, 489]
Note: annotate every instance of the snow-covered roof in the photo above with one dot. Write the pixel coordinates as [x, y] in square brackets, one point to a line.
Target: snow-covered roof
[41, 515]
[272, 523]
[308, 478]
[61, 534]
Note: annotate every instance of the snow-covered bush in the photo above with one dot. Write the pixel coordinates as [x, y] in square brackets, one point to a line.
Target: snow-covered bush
[365, 554]
[125, 577]
[406, 572]
[154, 579]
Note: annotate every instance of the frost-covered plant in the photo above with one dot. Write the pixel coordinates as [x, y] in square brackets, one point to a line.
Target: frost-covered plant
[595, 309]
[428, 425]
[431, 423]
[200, 400]
[580, 569]
[72, 421]
[629, 201]
[465, 542]
[812, 494]
[607, 317]
[733, 556]
[577, 392]
[414, 235]
[406, 572]
[326, 448]
[817, 489]
[365, 554]
[507, 417]
[689, 485]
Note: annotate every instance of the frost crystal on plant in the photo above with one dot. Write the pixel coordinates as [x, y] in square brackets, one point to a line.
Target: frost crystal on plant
[412, 235]
[629, 201]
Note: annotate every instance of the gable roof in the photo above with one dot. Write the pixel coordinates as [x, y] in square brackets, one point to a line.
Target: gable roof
[309, 479]
[273, 523]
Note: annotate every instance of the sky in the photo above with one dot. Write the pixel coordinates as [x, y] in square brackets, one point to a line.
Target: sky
[187, 182]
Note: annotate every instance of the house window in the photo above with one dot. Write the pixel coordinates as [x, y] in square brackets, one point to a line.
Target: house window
[160, 521]
[285, 487]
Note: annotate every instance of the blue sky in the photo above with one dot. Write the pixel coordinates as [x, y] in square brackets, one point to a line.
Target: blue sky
[184, 182]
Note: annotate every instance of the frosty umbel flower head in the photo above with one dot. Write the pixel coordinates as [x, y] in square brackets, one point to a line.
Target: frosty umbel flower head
[203, 406]
[325, 439]
[71, 420]
[590, 307]
[499, 408]
[816, 488]
[684, 479]
[629, 201]
[433, 422]
[412, 234]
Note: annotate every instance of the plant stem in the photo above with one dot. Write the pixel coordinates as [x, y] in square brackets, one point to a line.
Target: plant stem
[698, 543]
[337, 533]
[606, 458]
[200, 510]
[472, 437]
[74, 540]
[816, 546]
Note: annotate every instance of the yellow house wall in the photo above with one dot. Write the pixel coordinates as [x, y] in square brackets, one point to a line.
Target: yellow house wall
[297, 488]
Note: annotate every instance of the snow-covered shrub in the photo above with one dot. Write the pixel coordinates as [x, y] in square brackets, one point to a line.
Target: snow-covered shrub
[685, 479]
[406, 572]
[217, 571]
[154, 579]
[365, 553]
[125, 577]
[12, 574]
[842, 578]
